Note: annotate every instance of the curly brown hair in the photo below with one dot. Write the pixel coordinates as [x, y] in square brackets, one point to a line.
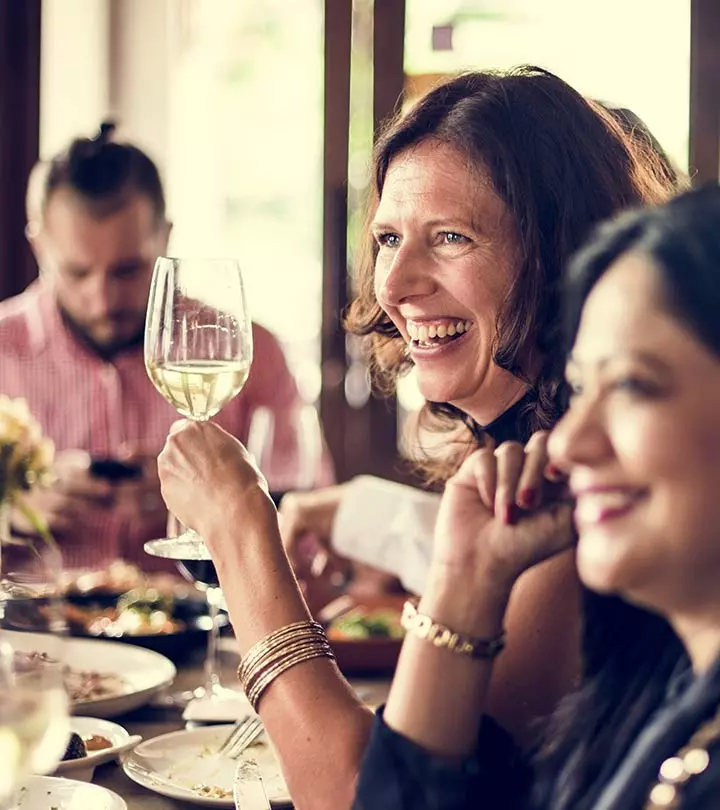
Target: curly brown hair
[561, 164]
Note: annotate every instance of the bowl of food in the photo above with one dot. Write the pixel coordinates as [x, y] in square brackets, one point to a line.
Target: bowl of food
[93, 742]
[366, 634]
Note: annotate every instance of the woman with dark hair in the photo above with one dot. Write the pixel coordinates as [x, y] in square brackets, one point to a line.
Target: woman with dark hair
[483, 190]
[641, 443]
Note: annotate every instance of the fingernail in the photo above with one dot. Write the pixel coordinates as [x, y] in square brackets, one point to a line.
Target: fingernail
[528, 497]
[509, 514]
[551, 471]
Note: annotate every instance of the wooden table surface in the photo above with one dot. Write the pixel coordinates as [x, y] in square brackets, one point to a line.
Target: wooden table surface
[150, 722]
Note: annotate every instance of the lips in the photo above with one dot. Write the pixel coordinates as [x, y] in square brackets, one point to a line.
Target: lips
[598, 505]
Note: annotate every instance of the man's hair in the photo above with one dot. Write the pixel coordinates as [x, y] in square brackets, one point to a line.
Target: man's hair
[104, 174]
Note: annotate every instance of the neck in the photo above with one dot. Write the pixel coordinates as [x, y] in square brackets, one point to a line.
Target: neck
[495, 403]
[700, 634]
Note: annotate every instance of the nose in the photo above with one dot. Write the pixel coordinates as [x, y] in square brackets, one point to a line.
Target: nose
[403, 274]
[580, 438]
[103, 295]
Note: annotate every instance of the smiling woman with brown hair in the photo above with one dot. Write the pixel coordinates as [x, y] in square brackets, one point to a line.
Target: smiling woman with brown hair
[483, 190]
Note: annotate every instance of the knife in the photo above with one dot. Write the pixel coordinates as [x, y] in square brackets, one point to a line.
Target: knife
[248, 788]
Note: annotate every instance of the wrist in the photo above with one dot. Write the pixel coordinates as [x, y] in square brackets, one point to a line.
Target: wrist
[470, 602]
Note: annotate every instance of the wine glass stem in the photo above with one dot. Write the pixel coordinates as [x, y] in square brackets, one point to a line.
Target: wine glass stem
[211, 678]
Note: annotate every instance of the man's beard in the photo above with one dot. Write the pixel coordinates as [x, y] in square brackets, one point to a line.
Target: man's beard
[107, 350]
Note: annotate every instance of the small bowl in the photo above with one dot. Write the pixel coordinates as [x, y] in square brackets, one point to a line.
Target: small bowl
[84, 767]
[376, 655]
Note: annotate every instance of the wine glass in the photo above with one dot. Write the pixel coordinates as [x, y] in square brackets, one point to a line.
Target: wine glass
[288, 450]
[198, 351]
[34, 712]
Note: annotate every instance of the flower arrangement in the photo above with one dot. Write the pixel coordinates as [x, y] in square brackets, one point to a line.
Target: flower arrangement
[26, 458]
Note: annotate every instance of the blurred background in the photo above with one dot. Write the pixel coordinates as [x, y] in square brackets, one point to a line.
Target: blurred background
[261, 114]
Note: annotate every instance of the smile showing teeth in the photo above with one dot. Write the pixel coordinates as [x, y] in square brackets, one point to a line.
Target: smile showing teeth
[436, 332]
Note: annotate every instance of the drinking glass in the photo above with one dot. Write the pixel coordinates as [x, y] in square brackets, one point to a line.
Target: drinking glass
[198, 351]
[34, 712]
[289, 454]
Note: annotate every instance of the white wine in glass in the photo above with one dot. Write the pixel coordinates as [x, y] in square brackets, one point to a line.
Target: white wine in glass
[34, 710]
[198, 352]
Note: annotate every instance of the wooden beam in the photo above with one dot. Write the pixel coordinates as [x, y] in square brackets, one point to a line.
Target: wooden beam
[388, 59]
[19, 135]
[333, 408]
[704, 91]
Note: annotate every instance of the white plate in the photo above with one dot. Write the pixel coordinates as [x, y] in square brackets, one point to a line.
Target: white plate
[84, 767]
[144, 671]
[43, 792]
[173, 764]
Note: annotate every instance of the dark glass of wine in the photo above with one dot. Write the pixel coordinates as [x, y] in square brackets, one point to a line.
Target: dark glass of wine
[200, 572]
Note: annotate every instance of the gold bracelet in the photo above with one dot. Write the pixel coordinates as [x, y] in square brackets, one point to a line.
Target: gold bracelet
[277, 657]
[269, 676]
[437, 634]
[248, 669]
[280, 650]
[275, 640]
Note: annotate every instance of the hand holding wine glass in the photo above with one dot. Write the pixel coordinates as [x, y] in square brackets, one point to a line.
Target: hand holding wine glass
[198, 351]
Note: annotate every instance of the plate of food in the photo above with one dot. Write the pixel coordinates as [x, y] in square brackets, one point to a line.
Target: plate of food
[159, 612]
[43, 792]
[93, 742]
[103, 678]
[184, 765]
[365, 632]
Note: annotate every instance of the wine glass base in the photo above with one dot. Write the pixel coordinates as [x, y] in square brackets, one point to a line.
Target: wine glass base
[186, 546]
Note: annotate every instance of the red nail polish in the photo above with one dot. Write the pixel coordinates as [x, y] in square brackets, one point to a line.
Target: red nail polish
[509, 515]
[528, 497]
[553, 472]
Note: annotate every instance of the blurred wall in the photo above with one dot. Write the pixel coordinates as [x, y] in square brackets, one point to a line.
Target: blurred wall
[74, 71]
[104, 58]
[138, 81]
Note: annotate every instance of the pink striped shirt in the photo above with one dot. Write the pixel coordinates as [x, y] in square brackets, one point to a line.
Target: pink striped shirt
[86, 403]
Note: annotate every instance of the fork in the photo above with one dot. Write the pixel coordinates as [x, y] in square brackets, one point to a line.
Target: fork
[244, 732]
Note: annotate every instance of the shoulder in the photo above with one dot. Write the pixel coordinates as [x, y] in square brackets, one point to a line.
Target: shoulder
[264, 339]
[16, 314]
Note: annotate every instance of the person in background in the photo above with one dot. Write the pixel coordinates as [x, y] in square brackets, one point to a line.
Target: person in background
[641, 445]
[484, 188]
[72, 346]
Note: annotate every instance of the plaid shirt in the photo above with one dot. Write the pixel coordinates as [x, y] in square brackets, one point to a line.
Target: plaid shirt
[86, 403]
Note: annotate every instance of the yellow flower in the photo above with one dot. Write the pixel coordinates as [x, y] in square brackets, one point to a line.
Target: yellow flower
[26, 457]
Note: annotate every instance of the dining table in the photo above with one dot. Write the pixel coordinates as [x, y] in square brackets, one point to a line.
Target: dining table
[155, 719]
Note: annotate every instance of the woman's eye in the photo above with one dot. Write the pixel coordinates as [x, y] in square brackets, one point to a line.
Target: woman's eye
[453, 238]
[390, 240]
[635, 386]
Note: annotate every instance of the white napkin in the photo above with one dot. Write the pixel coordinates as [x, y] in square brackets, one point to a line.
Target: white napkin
[227, 708]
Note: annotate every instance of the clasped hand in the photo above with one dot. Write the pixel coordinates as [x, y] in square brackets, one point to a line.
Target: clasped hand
[505, 510]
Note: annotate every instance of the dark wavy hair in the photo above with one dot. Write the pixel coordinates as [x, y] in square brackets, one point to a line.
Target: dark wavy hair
[630, 653]
[561, 164]
[103, 173]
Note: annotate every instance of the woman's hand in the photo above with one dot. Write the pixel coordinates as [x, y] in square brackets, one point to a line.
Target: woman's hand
[504, 511]
[208, 478]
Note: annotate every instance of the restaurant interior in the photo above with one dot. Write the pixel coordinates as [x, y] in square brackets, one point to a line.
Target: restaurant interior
[261, 117]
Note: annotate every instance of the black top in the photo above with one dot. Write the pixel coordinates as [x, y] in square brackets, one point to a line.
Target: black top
[510, 426]
[397, 774]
